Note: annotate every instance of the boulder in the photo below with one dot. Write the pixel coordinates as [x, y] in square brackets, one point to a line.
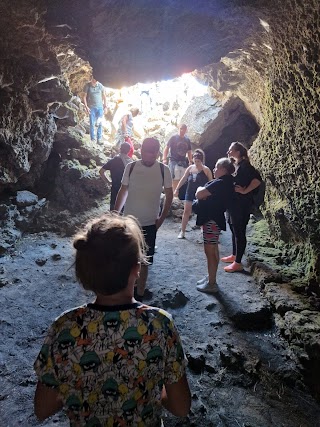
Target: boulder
[26, 198]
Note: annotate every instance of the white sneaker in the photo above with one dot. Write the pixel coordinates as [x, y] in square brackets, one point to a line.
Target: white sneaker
[203, 280]
[207, 288]
[181, 235]
[188, 228]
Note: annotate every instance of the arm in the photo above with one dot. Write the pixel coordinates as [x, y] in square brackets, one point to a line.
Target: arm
[104, 98]
[121, 198]
[124, 123]
[189, 154]
[85, 102]
[252, 186]
[182, 181]
[165, 154]
[102, 172]
[202, 193]
[46, 401]
[176, 397]
[168, 200]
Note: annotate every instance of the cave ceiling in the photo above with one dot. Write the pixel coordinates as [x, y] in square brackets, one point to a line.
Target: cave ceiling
[49, 47]
[129, 41]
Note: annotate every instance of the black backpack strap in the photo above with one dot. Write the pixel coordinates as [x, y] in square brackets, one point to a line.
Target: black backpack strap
[132, 165]
[162, 172]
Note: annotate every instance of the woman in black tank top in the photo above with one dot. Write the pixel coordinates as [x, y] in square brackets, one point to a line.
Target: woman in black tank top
[196, 176]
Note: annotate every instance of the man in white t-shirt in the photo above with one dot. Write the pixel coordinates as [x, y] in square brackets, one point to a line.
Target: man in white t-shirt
[140, 193]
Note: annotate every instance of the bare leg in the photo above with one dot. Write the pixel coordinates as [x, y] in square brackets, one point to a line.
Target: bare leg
[175, 182]
[212, 254]
[186, 215]
[142, 280]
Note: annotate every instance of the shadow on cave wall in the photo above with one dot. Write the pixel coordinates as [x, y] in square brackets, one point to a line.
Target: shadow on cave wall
[46, 184]
[244, 129]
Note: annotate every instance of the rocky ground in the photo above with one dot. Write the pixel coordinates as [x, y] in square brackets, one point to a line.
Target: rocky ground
[241, 372]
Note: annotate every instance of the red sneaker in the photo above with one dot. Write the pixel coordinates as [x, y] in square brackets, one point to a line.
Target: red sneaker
[233, 268]
[230, 258]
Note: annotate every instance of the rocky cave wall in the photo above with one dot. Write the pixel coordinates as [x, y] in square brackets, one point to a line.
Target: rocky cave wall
[268, 56]
[287, 149]
[277, 77]
[28, 58]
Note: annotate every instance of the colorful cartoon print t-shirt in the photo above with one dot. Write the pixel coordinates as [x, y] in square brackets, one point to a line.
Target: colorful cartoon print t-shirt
[109, 364]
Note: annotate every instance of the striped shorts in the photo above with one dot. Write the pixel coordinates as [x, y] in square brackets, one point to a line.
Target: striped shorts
[211, 233]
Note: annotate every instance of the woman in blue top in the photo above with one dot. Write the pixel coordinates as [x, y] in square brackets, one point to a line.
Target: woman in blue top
[196, 176]
[246, 180]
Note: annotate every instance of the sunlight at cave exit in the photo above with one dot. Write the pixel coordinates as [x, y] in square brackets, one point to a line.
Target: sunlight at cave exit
[153, 99]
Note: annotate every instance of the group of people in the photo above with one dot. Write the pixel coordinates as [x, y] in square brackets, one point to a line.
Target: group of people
[137, 187]
[95, 103]
[117, 361]
[231, 192]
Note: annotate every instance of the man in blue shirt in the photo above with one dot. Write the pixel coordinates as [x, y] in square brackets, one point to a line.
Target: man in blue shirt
[95, 102]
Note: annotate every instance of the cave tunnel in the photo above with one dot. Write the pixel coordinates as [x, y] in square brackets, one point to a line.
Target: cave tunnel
[244, 129]
[260, 64]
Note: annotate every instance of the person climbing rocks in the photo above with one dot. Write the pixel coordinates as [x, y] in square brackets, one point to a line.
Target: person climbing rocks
[125, 129]
[95, 103]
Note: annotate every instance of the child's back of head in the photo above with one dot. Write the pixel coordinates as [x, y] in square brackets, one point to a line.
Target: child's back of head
[106, 251]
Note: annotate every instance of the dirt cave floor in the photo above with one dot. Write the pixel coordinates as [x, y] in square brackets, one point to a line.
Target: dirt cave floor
[238, 377]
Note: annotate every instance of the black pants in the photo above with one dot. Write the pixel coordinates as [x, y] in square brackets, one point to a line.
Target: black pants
[113, 196]
[150, 234]
[238, 221]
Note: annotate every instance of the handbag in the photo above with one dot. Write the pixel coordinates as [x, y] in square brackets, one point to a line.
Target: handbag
[196, 207]
[182, 191]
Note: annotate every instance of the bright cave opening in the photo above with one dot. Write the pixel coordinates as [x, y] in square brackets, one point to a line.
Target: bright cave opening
[212, 123]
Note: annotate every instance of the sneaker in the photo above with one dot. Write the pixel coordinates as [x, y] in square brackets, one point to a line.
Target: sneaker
[207, 288]
[233, 268]
[188, 228]
[230, 258]
[93, 141]
[203, 280]
[181, 235]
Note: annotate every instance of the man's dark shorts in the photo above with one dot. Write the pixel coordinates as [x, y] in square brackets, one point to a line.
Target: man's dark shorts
[150, 234]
